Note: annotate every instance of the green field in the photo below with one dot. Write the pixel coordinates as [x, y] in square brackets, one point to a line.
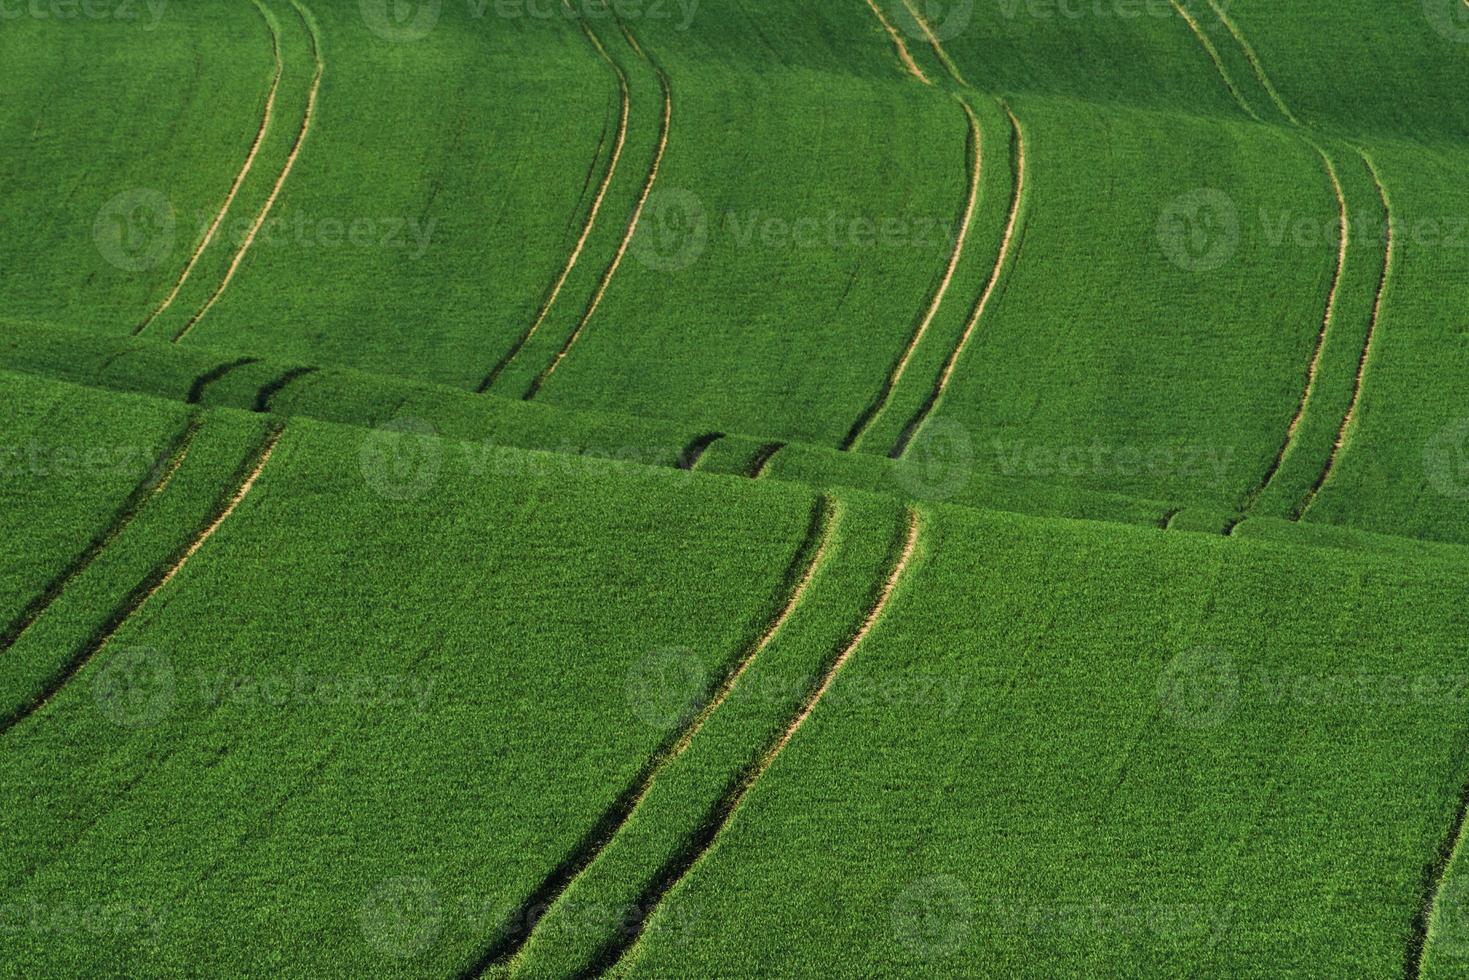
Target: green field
[664, 488]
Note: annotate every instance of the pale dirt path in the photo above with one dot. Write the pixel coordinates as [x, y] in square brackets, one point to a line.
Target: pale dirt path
[280, 181]
[976, 165]
[1350, 418]
[239, 178]
[903, 53]
[591, 222]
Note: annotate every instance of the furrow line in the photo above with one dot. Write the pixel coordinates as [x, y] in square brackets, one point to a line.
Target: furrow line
[762, 459]
[1351, 415]
[724, 810]
[933, 40]
[149, 588]
[976, 161]
[1255, 64]
[154, 482]
[1001, 261]
[229, 199]
[280, 183]
[632, 227]
[591, 222]
[1313, 370]
[808, 560]
[694, 451]
[903, 53]
[1213, 54]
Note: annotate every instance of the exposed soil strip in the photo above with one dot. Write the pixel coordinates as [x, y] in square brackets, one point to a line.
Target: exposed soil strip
[265, 397]
[519, 929]
[1213, 54]
[1315, 366]
[1351, 416]
[154, 482]
[275, 191]
[586, 232]
[723, 810]
[934, 42]
[695, 450]
[140, 596]
[229, 199]
[975, 155]
[762, 459]
[903, 53]
[1255, 63]
[1433, 879]
[632, 227]
[196, 390]
[1001, 260]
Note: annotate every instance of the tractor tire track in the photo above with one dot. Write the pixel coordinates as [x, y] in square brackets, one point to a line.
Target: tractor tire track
[196, 390]
[904, 54]
[1362, 362]
[229, 199]
[762, 459]
[935, 43]
[149, 588]
[1002, 260]
[1255, 64]
[632, 227]
[591, 222]
[1213, 54]
[799, 575]
[976, 164]
[280, 183]
[1313, 370]
[154, 482]
[694, 451]
[1434, 876]
[724, 809]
